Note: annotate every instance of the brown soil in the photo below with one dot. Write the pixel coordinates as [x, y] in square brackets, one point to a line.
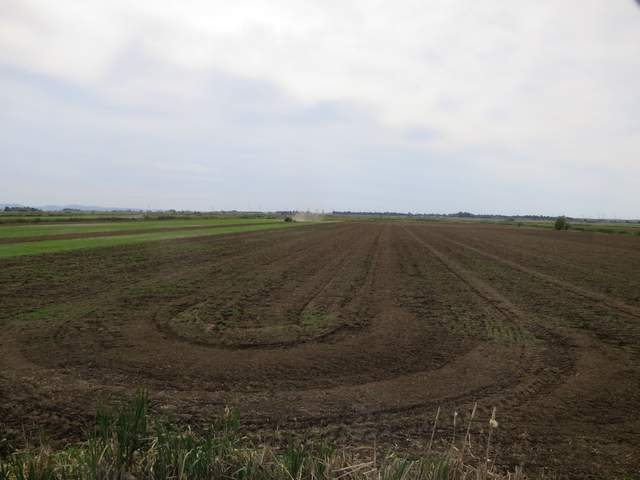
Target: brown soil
[359, 330]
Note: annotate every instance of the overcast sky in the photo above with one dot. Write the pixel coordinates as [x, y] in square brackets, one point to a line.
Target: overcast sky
[426, 106]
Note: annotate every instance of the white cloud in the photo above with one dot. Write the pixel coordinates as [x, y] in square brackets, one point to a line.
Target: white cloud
[531, 87]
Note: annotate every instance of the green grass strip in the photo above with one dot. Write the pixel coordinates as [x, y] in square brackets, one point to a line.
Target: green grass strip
[15, 231]
[51, 246]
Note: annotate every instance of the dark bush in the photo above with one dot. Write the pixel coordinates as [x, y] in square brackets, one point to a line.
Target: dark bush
[561, 223]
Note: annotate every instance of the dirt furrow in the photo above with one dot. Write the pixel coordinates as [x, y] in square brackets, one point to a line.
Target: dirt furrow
[607, 300]
[360, 330]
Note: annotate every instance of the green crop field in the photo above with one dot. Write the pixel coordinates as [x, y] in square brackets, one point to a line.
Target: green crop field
[43, 217]
[50, 246]
[32, 230]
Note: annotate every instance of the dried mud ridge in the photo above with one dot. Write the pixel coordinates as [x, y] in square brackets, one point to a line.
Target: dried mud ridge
[358, 330]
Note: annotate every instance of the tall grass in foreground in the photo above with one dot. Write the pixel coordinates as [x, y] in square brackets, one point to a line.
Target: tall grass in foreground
[130, 444]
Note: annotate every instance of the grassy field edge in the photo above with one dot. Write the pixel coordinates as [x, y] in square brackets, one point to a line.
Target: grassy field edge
[129, 443]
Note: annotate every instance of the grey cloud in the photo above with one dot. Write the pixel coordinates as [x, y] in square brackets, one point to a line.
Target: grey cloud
[532, 109]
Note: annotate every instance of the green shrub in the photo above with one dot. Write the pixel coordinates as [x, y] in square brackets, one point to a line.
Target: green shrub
[561, 223]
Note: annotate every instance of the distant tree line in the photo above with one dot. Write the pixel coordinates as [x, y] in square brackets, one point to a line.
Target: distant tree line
[21, 209]
[443, 215]
[474, 216]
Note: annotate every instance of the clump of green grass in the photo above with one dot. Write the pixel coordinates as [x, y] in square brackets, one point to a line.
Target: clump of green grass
[131, 444]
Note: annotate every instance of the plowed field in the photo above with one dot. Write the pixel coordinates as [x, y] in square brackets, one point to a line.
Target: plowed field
[359, 330]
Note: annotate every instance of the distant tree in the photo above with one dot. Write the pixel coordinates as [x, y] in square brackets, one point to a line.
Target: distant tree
[561, 223]
[21, 209]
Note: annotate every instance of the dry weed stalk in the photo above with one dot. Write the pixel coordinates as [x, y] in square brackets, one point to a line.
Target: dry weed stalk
[433, 431]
